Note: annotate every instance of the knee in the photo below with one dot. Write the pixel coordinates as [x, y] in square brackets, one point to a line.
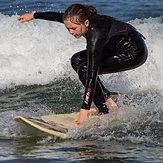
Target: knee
[82, 68]
[81, 71]
[78, 59]
[75, 62]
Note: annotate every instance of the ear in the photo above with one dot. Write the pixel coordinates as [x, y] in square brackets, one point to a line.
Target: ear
[87, 23]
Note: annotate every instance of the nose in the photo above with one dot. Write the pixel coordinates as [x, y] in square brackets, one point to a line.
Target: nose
[71, 32]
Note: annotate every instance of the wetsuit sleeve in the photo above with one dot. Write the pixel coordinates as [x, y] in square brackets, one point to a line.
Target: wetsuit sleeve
[95, 44]
[53, 16]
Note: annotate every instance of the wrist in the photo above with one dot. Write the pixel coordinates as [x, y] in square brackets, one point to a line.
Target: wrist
[33, 15]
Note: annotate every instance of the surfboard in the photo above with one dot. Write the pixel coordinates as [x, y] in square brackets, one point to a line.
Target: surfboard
[55, 125]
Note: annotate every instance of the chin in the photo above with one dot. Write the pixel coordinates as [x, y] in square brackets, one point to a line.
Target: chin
[77, 37]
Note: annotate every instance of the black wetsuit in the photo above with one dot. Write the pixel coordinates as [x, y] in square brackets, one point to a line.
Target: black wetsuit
[112, 46]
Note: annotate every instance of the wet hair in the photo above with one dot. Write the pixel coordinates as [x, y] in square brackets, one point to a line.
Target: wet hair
[79, 13]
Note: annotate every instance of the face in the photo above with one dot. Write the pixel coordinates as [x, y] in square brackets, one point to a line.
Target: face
[77, 30]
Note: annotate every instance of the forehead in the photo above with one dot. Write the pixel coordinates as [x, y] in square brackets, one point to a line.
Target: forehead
[69, 24]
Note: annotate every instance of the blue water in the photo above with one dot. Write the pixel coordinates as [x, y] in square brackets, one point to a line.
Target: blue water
[36, 79]
[125, 10]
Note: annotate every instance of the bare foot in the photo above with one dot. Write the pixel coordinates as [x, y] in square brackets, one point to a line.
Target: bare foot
[111, 104]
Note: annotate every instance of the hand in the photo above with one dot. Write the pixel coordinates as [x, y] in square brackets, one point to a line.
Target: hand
[83, 115]
[26, 17]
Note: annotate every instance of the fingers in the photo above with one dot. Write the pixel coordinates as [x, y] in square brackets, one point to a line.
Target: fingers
[83, 115]
[22, 20]
[76, 121]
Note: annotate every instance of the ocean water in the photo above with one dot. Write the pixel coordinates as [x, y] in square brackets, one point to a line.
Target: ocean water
[36, 78]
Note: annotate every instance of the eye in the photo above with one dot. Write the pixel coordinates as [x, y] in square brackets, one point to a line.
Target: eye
[73, 28]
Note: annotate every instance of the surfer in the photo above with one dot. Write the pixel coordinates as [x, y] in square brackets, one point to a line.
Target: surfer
[112, 46]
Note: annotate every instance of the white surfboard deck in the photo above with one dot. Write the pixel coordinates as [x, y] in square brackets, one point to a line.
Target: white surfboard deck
[55, 125]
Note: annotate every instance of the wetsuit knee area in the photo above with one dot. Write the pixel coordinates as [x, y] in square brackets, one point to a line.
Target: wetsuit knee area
[78, 59]
[75, 62]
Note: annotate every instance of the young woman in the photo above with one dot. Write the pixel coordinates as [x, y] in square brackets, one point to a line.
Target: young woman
[112, 46]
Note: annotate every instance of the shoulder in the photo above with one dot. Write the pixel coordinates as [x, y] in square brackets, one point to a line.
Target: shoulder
[98, 21]
[99, 27]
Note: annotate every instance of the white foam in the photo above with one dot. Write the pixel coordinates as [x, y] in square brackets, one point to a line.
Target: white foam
[150, 75]
[36, 52]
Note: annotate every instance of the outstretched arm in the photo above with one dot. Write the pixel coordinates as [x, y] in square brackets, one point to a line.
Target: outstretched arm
[52, 16]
